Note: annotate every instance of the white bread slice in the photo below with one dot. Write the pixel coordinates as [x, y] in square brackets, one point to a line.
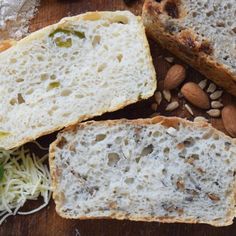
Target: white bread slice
[201, 33]
[160, 169]
[81, 67]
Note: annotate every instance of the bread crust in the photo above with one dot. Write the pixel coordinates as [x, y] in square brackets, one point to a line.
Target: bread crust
[166, 121]
[195, 56]
[6, 45]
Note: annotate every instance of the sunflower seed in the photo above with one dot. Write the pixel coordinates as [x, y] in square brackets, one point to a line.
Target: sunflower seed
[172, 106]
[211, 88]
[154, 106]
[202, 84]
[154, 114]
[214, 112]
[216, 104]
[158, 97]
[200, 119]
[167, 95]
[169, 59]
[189, 109]
[217, 94]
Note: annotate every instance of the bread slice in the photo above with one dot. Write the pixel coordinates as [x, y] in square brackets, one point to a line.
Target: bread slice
[201, 33]
[79, 68]
[160, 169]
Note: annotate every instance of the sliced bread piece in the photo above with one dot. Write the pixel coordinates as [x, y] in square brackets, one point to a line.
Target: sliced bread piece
[201, 33]
[160, 169]
[81, 67]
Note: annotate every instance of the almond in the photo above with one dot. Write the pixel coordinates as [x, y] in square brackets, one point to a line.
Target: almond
[229, 119]
[195, 95]
[174, 77]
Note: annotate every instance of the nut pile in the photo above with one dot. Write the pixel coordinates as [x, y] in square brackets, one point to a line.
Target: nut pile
[204, 95]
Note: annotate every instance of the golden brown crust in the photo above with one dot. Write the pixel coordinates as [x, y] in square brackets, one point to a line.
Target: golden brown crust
[167, 122]
[185, 46]
[4, 45]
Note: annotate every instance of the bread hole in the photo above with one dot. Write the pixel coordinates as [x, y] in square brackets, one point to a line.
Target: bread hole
[101, 67]
[79, 96]
[13, 60]
[19, 80]
[40, 58]
[147, 150]
[126, 142]
[66, 92]
[30, 91]
[118, 140]
[210, 13]
[220, 24]
[234, 30]
[44, 77]
[166, 150]
[96, 40]
[100, 137]
[120, 19]
[52, 77]
[75, 53]
[216, 137]
[65, 55]
[66, 114]
[172, 9]
[113, 158]
[129, 180]
[127, 168]
[20, 99]
[213, 146]
[194, 14]
[189, 142]
[13, 101]
[156, 134]
[139, 187]
[227, 146]
[119, 57]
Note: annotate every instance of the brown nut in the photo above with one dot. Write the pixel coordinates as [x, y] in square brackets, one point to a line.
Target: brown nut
[195, 95]
[174, 77]
[229, 119]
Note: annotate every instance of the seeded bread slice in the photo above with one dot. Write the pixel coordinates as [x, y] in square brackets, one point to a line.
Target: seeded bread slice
[160, 169]
[201, 33]
[79, 68]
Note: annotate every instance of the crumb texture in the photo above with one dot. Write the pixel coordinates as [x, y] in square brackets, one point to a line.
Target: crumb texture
[81, 67]
[145, 171]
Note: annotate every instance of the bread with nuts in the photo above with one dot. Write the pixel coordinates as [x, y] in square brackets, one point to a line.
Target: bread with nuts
[201, 33]
[79, 68]
[161, 169]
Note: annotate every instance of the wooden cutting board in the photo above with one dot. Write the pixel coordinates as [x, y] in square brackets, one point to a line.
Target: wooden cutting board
[47, 222]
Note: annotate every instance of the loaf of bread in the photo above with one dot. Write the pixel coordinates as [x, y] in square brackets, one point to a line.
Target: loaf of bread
[201, 33]
[81, 67]
[160, 169]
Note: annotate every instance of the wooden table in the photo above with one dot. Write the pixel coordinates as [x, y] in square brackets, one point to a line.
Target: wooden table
[47, 222]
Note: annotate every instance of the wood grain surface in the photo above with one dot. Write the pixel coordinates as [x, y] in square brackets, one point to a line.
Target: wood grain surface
[47, 222]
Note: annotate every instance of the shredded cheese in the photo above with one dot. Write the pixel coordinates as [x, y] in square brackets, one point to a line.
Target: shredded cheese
[25, 177]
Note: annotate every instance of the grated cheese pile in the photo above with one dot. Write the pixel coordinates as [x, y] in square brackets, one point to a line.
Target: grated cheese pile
[25, 177]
